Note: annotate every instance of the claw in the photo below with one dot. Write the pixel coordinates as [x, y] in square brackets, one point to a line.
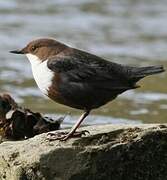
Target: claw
[63, 136]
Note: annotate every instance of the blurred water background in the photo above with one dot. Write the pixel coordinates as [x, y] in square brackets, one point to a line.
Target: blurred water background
[125, 31]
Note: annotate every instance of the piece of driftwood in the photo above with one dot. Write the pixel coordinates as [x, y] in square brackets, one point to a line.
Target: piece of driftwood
[20, 123]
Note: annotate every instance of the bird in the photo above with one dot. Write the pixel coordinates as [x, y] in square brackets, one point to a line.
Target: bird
[79, 79]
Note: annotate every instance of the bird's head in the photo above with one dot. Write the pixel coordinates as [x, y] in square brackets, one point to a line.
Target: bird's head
[40, 49]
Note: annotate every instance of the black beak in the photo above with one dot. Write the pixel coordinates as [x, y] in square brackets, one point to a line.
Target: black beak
[18, 51]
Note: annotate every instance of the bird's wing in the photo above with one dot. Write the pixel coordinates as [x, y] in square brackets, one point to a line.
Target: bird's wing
[89, 69]
[69, 66]
[86, 80]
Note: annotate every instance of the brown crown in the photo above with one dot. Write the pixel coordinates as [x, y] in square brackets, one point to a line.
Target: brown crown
[43, 48]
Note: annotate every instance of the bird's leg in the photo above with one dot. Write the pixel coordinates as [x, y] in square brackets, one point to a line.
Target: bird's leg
[64, 136]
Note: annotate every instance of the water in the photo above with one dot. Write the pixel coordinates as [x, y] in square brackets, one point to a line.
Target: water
[128, 32]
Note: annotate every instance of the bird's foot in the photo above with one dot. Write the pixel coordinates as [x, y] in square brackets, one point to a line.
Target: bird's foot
[63, 136]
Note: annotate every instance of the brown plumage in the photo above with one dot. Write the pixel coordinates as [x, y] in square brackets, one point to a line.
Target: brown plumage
[82, 80]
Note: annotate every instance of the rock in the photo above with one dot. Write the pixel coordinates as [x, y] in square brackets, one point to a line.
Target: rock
[110, 152]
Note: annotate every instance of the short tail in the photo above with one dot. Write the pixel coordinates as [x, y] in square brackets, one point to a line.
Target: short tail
[141, 72]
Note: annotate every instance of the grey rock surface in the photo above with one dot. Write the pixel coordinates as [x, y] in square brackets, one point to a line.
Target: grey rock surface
[110, 152]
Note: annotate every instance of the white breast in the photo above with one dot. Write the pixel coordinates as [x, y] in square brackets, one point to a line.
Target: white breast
[42, 74]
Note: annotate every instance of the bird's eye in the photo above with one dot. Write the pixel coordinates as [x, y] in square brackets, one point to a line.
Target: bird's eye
[33, 48]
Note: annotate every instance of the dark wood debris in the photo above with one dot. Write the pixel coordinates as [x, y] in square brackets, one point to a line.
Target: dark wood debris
[18, 123]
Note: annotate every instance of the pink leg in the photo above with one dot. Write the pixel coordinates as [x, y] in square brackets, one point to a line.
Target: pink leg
[74, 128]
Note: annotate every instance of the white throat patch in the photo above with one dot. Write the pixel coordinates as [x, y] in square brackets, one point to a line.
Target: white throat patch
[42, 74]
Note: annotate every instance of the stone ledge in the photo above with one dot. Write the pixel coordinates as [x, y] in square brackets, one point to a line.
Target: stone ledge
[111, 152]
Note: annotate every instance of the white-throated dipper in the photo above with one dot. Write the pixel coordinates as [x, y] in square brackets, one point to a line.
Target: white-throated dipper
[79, 79]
